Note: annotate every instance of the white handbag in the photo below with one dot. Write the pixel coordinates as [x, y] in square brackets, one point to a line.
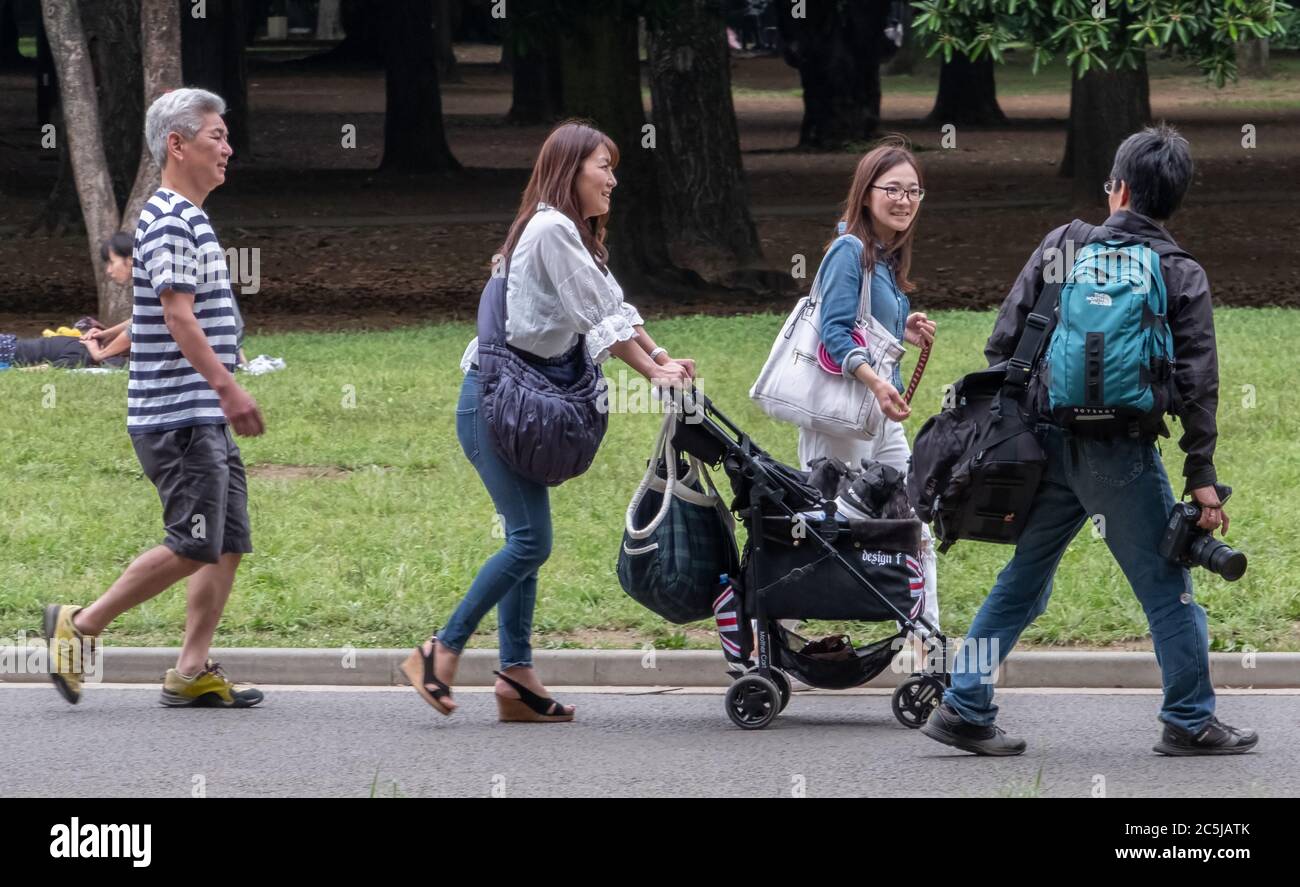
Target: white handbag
[793, 387]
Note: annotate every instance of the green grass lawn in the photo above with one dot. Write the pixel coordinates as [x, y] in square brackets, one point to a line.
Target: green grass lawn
[377, 554]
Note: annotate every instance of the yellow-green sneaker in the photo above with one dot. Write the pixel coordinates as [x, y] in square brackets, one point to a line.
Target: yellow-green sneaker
[65, 648]
[210, 688]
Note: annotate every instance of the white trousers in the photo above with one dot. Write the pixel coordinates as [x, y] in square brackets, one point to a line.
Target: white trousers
[889, 447]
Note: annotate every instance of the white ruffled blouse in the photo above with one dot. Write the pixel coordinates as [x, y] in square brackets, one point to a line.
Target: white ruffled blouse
[556, 292]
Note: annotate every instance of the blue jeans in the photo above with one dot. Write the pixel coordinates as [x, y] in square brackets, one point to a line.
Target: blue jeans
[1123, 482]
[508, 580]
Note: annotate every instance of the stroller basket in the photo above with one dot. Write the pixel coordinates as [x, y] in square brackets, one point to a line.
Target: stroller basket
[854, 669]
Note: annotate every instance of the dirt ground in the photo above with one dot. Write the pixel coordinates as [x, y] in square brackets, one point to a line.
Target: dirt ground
[330, 257]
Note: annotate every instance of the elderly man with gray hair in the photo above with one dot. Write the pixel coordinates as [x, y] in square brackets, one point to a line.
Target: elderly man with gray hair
[182, 402]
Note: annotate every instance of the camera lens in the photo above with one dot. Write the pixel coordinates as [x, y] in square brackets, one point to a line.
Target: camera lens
[1230, 563]
[1218, 557]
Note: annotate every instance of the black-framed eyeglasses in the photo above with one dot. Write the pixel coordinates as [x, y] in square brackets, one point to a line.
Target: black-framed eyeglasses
[893, 192]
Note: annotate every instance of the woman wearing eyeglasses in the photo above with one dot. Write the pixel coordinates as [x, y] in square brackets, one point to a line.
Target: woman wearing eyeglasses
[875, 245]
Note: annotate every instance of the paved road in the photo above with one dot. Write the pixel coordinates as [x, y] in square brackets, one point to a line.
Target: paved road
[333, 742]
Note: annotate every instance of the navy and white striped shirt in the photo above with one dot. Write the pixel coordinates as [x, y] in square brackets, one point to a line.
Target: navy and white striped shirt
[176, 249]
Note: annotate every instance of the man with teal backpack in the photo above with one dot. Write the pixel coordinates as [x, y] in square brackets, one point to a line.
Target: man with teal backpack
[1131, 332]
[1111, 354]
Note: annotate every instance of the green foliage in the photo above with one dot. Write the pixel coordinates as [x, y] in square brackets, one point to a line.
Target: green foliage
[1100, 33]
[1289, 20]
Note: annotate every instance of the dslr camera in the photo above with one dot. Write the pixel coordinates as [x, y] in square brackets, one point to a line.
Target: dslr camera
[1187, 544]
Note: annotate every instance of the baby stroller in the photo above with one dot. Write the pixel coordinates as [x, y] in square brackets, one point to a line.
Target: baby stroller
[805, 560]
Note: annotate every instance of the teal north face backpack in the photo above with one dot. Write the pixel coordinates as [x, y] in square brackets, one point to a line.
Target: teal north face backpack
[1110, 359]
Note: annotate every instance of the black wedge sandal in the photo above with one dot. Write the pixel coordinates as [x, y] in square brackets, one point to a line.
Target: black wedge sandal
[529, 707]
[418, 669]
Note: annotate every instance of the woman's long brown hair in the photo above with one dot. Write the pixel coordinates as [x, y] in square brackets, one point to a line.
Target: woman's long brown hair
[554, 181]
[857, 216]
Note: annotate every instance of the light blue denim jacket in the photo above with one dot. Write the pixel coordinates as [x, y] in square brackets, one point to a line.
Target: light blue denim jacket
[841, 286]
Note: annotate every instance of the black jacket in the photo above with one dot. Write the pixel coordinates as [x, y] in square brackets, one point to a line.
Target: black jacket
[1191, 320]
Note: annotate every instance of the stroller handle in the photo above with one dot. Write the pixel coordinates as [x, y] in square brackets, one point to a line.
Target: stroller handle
[692, 402]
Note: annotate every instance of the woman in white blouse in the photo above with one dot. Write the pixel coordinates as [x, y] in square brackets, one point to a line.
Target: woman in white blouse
[558, 288]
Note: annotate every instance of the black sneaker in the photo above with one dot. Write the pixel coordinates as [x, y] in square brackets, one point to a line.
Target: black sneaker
[946, 726]
[1216, 738]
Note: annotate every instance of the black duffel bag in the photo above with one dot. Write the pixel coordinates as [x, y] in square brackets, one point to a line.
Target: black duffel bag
[976, 466]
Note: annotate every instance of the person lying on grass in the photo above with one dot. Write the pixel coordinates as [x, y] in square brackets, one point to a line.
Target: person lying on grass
[98, 346]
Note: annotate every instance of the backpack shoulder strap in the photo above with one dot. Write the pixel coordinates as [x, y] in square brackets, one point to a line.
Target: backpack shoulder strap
[1166, 249]
[1163, 248]
[1021, 365]
[493, 308]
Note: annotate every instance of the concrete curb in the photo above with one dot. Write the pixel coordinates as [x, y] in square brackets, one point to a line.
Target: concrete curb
[637, 668]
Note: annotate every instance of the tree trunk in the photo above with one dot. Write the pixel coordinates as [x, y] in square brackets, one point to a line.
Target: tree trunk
[10, 57]
[62, 209]
[1252, 57]
[47, 78]
[706, 201]
[873, 91]
[328, 23]
[1106, 107]
[448, 71]
[362, 23]
[967, 93]
[234, 75]
[602, 81]
[904, 60]
[159, 45]
[836, 49]
[213, 57]
[160, 50]
[112, 29]
[82, 129]
[414, 138]
[536, 75]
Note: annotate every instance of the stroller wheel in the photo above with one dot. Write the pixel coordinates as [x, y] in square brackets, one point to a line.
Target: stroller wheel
[752, 702]
[783, 687]
[916, 698]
